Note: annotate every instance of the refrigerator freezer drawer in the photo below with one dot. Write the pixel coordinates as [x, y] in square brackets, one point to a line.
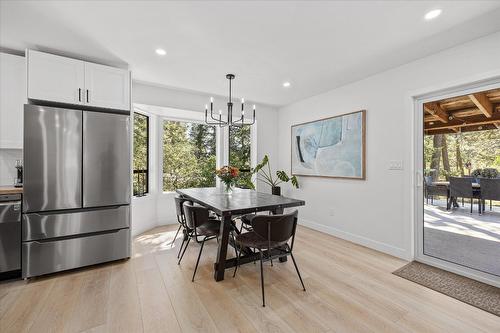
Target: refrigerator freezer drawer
[38, 226]
[53, 256]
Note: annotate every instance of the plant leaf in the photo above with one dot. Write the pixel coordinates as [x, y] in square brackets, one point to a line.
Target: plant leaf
[282, 176]
[295, 181]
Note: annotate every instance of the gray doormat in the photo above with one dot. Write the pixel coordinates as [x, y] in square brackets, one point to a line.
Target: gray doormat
[475, 293]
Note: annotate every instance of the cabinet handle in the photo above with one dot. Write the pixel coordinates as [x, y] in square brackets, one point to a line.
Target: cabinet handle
[87, 95]
[79, 94]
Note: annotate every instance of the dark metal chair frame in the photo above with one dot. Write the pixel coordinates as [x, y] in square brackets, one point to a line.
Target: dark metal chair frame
[270, 232]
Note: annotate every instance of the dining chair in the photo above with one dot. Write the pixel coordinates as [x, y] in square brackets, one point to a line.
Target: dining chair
[431, 190]
[181, 219]
[199, 224]
[461, 187]
[490, 190]
[270, 232]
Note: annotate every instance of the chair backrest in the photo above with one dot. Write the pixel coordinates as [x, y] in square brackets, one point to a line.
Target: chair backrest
[179, 202]
[275, 228]
[461, 187]
[195, 215]
[428, 180]
[490, 188]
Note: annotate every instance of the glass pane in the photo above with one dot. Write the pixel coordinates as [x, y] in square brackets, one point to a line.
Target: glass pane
[239, 153]
[141, 158]
[189, 155]
[462, 184]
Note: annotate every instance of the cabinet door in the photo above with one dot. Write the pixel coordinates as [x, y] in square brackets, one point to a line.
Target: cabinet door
[12, 99]
[106, 159]
[54, 78]
[107, 87]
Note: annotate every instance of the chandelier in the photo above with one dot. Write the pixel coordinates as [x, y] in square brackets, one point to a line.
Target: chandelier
[217, 120]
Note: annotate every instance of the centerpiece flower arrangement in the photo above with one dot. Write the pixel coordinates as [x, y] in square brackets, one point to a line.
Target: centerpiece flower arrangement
[229, 176]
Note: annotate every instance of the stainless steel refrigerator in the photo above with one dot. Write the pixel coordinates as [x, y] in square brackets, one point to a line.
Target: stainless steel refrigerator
[76, 197]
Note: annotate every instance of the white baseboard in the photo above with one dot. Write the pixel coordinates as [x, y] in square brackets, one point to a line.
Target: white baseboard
[370, 243]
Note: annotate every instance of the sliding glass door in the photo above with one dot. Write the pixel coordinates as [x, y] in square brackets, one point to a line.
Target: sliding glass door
[458, 182]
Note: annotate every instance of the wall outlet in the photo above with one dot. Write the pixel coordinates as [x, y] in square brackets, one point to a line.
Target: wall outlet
[396, 165]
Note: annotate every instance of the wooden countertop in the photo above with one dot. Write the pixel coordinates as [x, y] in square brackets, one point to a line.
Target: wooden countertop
[10, 190]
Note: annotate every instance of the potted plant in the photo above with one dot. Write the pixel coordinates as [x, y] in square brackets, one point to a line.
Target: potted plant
[228, 175]
[489, 173]
[279, 177]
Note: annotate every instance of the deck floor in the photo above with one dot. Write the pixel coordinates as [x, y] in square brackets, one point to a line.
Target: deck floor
[471, 240]
[349, 289]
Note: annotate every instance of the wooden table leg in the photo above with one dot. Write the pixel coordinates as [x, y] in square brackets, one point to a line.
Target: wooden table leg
[220, 264]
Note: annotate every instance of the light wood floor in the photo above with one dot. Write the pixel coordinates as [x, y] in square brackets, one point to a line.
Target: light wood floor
[349, 289]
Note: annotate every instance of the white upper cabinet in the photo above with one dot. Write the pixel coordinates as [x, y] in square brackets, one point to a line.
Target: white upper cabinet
[64, 80]
[107, 87]
[12, 99]
[55, 78]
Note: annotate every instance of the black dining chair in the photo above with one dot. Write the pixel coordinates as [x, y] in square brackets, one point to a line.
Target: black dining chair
[461, 187]
[490, 190]
[270, 233]
[181, 219]
[199, 224]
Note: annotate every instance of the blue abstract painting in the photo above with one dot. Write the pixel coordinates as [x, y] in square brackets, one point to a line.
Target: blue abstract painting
[332, 147]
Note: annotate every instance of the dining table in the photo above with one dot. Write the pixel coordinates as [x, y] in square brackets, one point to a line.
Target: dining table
[229, 206]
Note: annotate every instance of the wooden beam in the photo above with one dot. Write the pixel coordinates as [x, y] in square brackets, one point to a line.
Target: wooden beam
[434, 109]
[483, 103]
[465, 124]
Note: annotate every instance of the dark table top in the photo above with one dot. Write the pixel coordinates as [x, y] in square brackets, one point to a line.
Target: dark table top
[240, 201]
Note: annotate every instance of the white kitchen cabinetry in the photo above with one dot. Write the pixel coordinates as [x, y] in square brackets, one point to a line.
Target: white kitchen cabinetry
[64, 80]
[12, 99]
[107, 87]
[54, 78]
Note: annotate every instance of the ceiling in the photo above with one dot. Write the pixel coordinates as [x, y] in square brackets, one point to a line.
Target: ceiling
[475, 112]
[316, 46]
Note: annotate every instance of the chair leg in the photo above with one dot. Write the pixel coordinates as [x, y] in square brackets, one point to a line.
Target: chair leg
[471, 203]
[237, 262]
[175, 237]
[180, 249]
[490, 205]
[185, 248]
[262, 279]
[297, 269]
[198, 260]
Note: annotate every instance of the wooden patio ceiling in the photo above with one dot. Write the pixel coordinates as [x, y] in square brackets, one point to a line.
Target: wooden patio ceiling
[475, 112]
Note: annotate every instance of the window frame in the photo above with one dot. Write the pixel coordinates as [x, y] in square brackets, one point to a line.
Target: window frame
[252, 148]
[148, 154]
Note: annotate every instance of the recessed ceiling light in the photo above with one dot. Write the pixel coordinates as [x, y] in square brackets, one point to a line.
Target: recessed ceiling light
[286, 84]
[161, 52]
[432, 14]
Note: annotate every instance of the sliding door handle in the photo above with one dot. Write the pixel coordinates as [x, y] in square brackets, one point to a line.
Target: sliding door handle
[79, 94]
[87, 95]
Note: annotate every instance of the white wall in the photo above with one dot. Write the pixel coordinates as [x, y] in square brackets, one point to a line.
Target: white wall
[157, 208]
[378, 212]
[8, 159]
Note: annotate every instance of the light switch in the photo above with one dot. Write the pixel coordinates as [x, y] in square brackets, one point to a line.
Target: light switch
[396, 165]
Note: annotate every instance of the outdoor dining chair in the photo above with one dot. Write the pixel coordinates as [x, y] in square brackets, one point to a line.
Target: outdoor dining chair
[461, 187]
[490, 190]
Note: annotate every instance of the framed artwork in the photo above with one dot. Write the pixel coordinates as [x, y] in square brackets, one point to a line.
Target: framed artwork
[331, 147]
